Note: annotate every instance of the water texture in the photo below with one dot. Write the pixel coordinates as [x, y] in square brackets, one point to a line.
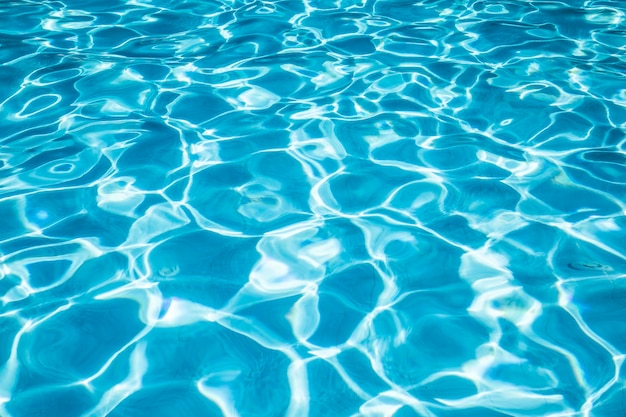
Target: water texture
[312, 208]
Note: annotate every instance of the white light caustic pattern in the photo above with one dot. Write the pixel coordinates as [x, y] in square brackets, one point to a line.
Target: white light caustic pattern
[320, 208]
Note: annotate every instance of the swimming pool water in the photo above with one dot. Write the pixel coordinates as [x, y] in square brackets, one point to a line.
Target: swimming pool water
[312, 208]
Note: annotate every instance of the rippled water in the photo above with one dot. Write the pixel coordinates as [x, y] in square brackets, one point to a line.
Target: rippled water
[312, 208]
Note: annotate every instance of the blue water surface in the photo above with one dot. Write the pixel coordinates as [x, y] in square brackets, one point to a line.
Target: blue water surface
[312, 208]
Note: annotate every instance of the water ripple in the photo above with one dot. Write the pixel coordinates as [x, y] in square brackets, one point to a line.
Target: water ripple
[350, 208]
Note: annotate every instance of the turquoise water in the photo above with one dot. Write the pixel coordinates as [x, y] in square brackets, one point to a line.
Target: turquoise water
[312, 208]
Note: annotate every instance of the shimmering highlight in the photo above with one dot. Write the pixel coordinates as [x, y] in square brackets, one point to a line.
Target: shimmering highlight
[316, 208]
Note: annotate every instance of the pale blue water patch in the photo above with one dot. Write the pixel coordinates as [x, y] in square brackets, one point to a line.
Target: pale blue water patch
[317, 208]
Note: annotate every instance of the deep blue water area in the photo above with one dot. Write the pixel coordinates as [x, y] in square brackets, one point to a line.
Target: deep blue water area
[312, 208]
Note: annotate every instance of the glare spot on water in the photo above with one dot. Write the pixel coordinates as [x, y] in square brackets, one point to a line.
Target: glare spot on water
[119, 195]
[42, 215]
[205, 153]
[319, 253]
[257, 98]
[169, 271]
[496, 9]
[273, 275]
[181, 73]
